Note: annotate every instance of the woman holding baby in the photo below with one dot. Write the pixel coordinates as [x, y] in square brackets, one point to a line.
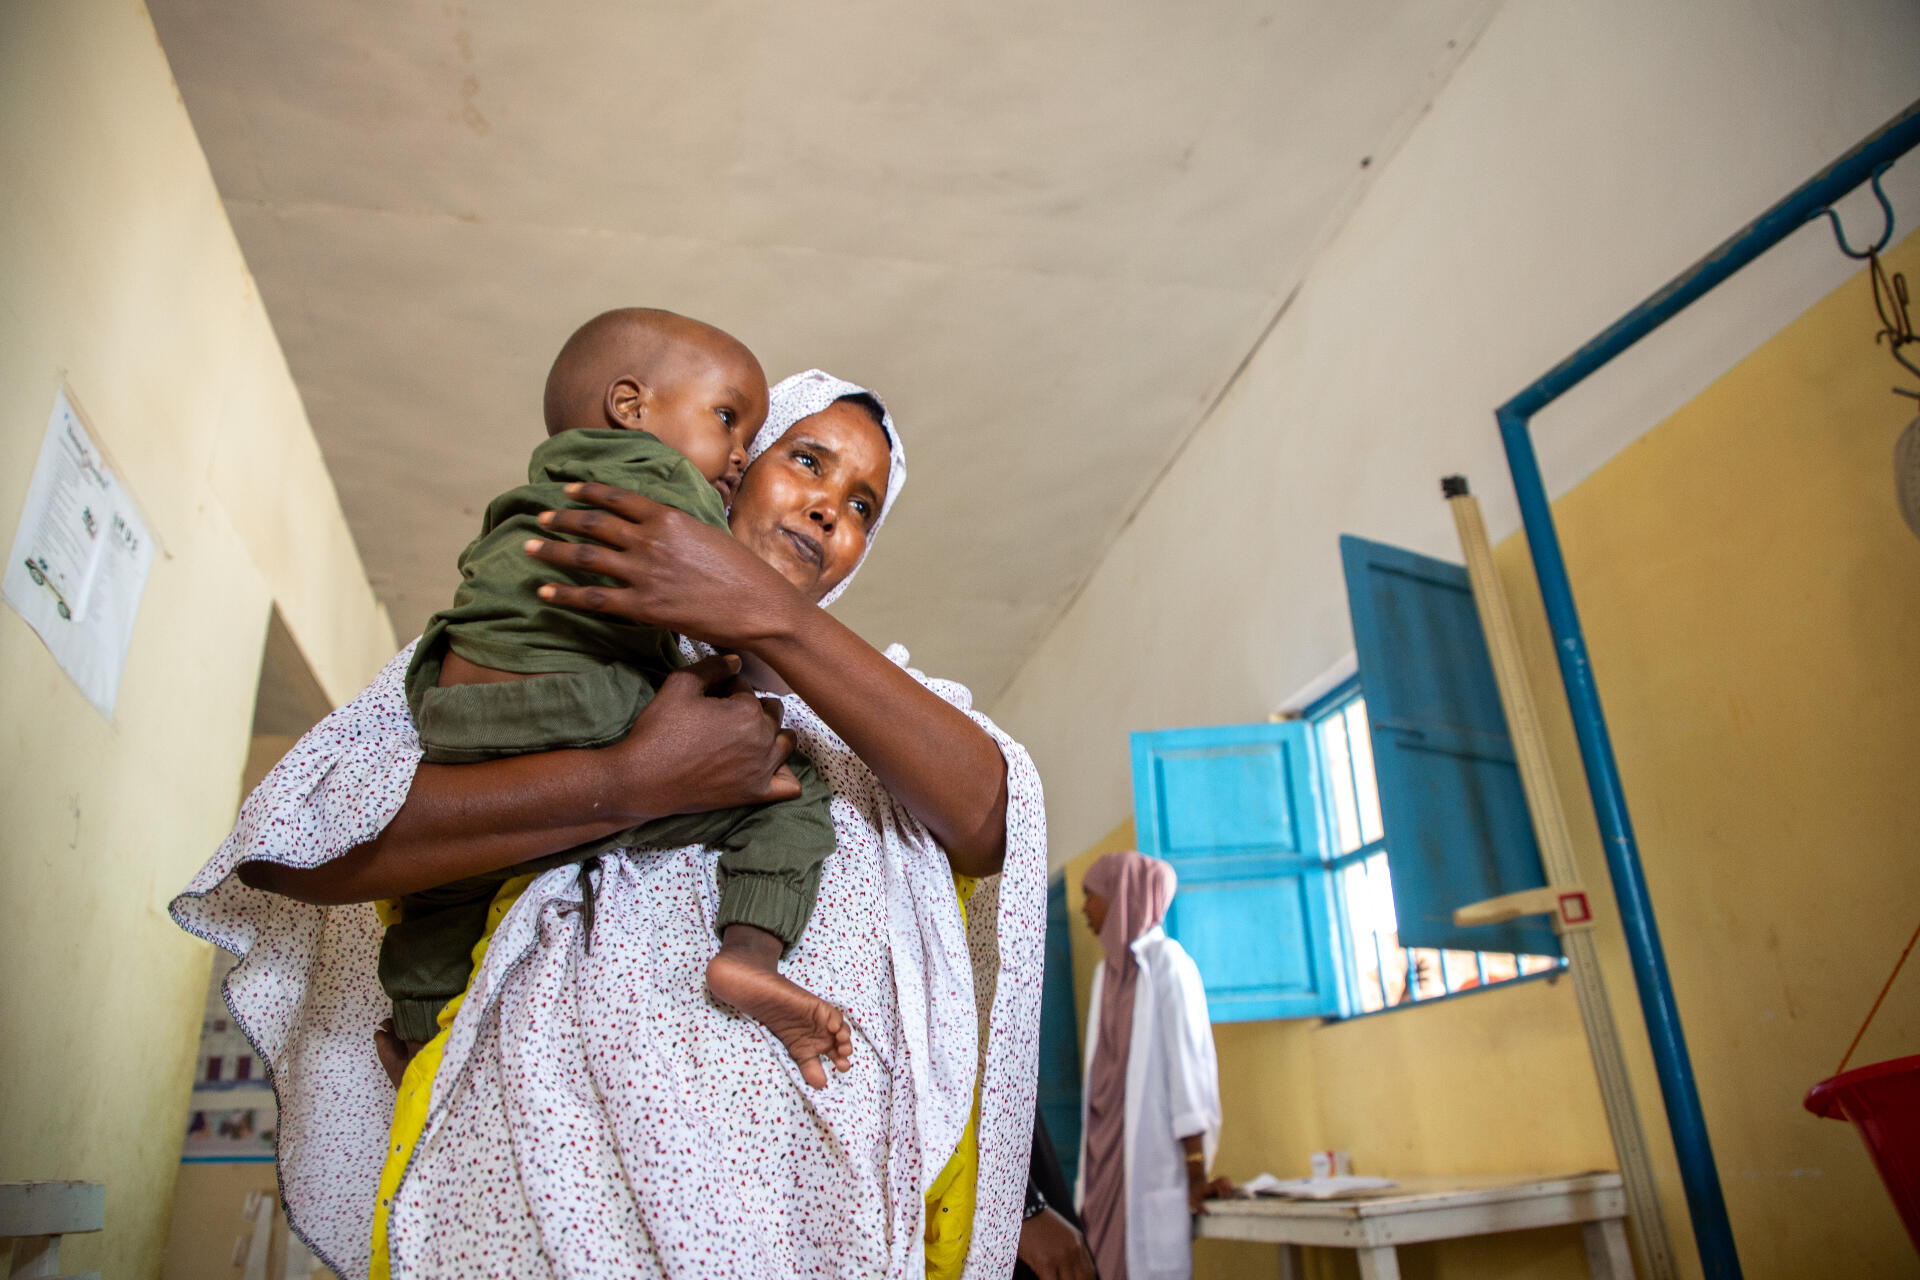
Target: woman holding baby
[594, 1112]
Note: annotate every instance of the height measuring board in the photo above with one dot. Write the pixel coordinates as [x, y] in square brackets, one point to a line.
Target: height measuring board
[1563, 900]
[80, 558]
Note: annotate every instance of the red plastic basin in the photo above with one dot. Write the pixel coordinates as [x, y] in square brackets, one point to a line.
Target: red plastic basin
[1883, 1102]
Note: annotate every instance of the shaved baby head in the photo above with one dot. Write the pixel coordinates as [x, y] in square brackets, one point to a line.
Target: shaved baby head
[652, 348]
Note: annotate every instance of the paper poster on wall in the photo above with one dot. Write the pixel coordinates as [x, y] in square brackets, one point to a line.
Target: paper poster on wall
[80, 558]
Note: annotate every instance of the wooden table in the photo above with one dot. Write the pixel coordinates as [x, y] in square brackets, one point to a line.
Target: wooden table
[1421, 1209]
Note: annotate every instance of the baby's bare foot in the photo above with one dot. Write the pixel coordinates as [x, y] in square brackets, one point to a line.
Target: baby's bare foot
[746, 976]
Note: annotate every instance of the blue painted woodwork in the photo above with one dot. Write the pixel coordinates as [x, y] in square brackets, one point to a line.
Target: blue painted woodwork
[1451, 800]
[1706, 1205]
[1236, 809]
[1060, 1037]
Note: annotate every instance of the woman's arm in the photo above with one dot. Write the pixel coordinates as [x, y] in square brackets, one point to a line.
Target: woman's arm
[704, 742]
[694, 579]
[933, 759]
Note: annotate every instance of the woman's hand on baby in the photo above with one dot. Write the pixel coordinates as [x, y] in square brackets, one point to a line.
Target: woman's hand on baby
[704, 742]
[676, 572]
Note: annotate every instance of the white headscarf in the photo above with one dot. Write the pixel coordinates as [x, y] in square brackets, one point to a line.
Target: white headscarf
[802, 396]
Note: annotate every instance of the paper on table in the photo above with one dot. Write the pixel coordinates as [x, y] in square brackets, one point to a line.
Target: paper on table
[1333, 1188]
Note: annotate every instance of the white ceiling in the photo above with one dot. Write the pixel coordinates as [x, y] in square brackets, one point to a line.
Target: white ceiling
[1048, 233]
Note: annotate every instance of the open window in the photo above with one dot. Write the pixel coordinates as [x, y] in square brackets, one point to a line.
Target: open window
[1451, 801]
[1321, 858]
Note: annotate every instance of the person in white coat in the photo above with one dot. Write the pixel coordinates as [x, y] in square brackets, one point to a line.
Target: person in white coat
[1150, 1110]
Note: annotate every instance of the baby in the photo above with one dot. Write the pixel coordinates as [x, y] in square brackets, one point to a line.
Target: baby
[665, 406]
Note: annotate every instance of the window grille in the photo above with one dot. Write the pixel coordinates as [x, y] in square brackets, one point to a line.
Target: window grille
[1383, 974]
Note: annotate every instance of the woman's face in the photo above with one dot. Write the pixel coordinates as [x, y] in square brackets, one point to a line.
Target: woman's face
[1095, 910]
[807, 505]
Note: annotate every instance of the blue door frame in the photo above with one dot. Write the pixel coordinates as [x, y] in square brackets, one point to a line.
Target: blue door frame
[1706, 1206]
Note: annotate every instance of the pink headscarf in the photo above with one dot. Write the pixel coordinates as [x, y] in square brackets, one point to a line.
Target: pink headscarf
[1138, 890]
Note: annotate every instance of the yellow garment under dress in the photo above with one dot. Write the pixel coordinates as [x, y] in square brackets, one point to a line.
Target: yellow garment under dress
[416, 1086]
[949, 1200]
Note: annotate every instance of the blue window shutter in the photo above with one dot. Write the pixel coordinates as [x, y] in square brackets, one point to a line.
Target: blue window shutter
[1455, 814]
[1236, 810]
[1060, 1037]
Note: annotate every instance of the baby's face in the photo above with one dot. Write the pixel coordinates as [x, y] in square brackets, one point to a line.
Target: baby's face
[710, 413]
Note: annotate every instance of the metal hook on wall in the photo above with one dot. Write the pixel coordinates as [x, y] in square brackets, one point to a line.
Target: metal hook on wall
[1889, 291]
[1840, 232]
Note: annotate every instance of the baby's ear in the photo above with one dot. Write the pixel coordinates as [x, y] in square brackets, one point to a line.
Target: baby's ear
[628, 401]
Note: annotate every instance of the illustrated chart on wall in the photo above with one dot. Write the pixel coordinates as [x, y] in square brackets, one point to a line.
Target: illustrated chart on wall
[80, 558]
[232, 1115]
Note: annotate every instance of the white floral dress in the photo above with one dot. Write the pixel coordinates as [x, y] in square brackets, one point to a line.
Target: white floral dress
[596, 1114]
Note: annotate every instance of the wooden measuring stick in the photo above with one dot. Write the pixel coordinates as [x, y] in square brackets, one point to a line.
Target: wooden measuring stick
[1565, 900]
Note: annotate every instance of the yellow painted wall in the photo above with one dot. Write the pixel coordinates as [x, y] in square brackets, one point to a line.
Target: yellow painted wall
[1752, 602]
[119, 273]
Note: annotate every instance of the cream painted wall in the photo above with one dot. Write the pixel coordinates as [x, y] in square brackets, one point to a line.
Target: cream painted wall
[120, 274]
[1748, 591]
[1579, 157]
